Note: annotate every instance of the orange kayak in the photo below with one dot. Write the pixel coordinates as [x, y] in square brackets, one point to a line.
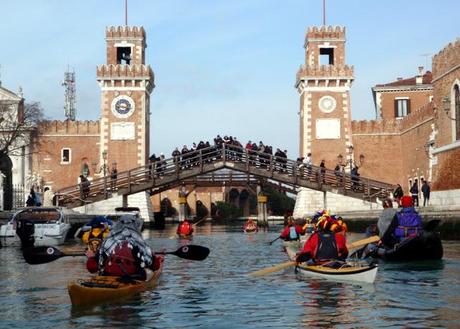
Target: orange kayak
[99, 289]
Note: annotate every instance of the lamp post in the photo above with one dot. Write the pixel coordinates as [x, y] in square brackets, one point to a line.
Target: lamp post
[446, 106]
[104, 168]
[350, 150]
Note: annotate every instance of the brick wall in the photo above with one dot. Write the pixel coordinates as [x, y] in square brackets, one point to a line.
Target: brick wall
[81, 137]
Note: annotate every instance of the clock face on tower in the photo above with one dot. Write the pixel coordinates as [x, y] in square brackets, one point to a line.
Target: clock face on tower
[327, 104]
[122, 106]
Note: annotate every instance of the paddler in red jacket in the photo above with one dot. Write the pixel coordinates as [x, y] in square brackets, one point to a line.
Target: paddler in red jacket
[292, 231]
[327, 243]
[184, 228]
[124, 252]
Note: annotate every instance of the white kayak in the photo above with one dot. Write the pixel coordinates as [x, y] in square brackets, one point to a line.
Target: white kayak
[357, 271]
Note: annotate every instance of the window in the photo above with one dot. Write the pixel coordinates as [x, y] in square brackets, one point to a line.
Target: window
[457, 111]
[326, 56]
[402, 107]
[123, 55]
[65, 156]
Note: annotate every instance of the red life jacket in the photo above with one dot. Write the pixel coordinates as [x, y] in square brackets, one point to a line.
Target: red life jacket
[185, 228]
[121, 262]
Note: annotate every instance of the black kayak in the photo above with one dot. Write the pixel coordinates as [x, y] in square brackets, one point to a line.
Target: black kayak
[425, 246]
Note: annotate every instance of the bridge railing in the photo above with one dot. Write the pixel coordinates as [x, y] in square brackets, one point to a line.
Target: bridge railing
[277, 167]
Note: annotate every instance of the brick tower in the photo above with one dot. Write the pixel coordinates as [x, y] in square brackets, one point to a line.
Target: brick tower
[126, 83]
[323, 83]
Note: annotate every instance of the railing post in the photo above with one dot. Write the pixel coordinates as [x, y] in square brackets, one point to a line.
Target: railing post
[129, 180]
[223, 152]
[201, 161]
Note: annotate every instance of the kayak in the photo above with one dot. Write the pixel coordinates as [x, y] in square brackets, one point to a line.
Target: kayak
[336, 270]
[99, 289]
[340, 271]
[185, 236]
[292, 246]
[250, 230]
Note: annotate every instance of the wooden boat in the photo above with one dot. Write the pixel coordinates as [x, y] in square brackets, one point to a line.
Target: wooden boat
[340, 271]
[426, 246]
[99, 289]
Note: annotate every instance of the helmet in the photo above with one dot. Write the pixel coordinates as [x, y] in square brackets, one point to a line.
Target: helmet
[406, 201]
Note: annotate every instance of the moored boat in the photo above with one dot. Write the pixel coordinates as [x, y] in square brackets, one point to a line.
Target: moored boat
[99, 289]
[39, 226]
[340, 271]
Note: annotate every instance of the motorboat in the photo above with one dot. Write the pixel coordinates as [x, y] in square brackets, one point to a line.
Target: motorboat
[39, 226]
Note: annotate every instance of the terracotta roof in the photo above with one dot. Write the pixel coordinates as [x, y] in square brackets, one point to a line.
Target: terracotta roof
[427, 77]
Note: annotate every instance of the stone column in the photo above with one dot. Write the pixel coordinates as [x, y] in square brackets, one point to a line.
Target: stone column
[262, 214]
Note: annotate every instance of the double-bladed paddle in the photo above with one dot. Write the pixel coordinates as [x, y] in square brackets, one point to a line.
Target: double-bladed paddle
[271, 242]
[42, 255]
[281, 266]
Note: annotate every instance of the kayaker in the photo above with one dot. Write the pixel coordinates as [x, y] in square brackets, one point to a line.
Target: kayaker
[184, 228]
[96, 231]
[124, 252]
[292, 231]
[404, 223]
[327, 243]
[250, 225]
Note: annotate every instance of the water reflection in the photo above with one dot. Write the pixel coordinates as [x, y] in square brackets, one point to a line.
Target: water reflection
[217, 293]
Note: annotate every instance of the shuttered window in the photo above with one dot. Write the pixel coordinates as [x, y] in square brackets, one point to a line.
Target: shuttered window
[402, 107]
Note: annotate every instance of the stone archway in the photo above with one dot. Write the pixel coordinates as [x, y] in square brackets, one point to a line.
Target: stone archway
[7, 181]
[244, 202]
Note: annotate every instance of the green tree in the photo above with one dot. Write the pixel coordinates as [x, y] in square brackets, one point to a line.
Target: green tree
[278, 202]
[227, 210]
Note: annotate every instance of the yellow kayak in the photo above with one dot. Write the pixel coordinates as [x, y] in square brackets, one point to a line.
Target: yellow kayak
[99, 288]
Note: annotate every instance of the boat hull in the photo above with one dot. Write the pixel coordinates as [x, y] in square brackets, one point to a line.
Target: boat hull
[427, 246]
[100, 289]
[354, 273]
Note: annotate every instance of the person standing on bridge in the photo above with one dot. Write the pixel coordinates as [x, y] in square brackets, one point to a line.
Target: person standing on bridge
[426, 193]
[307, 164]
[113, 177]
[322, 169]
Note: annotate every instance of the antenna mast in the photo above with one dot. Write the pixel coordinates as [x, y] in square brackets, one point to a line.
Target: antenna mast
[70, 99]
[126, 12]
[324, 12]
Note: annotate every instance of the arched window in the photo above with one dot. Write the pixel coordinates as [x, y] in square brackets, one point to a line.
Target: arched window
[457, 111]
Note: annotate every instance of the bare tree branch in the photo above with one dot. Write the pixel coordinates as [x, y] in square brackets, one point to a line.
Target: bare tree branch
[18, 126]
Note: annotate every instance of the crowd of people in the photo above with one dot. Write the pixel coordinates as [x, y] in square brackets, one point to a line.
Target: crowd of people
[258, 154]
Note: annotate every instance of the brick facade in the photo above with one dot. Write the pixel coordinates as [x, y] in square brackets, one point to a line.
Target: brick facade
[423, 144]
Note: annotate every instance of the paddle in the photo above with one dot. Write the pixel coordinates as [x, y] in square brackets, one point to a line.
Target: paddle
[43, 255]
[270, 243]
[279, 267]
[190, 251]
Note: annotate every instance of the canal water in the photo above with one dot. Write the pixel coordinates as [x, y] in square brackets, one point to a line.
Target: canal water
[217, 293]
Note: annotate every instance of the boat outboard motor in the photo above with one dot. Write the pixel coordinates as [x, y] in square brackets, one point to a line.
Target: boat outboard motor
[25, 230]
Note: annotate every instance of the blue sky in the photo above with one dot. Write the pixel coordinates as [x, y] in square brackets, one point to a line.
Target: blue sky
[221, 67]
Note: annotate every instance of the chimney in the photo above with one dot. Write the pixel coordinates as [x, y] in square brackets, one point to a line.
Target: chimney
[419, 77]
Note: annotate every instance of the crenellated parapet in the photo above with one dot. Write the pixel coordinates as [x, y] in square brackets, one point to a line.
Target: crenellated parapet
[375, 127]
[125, 32]
[425, 113]
[325, 33]
[394, 126]
[136, 71]
[69, 127]
[446, 59]
[326, 71]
